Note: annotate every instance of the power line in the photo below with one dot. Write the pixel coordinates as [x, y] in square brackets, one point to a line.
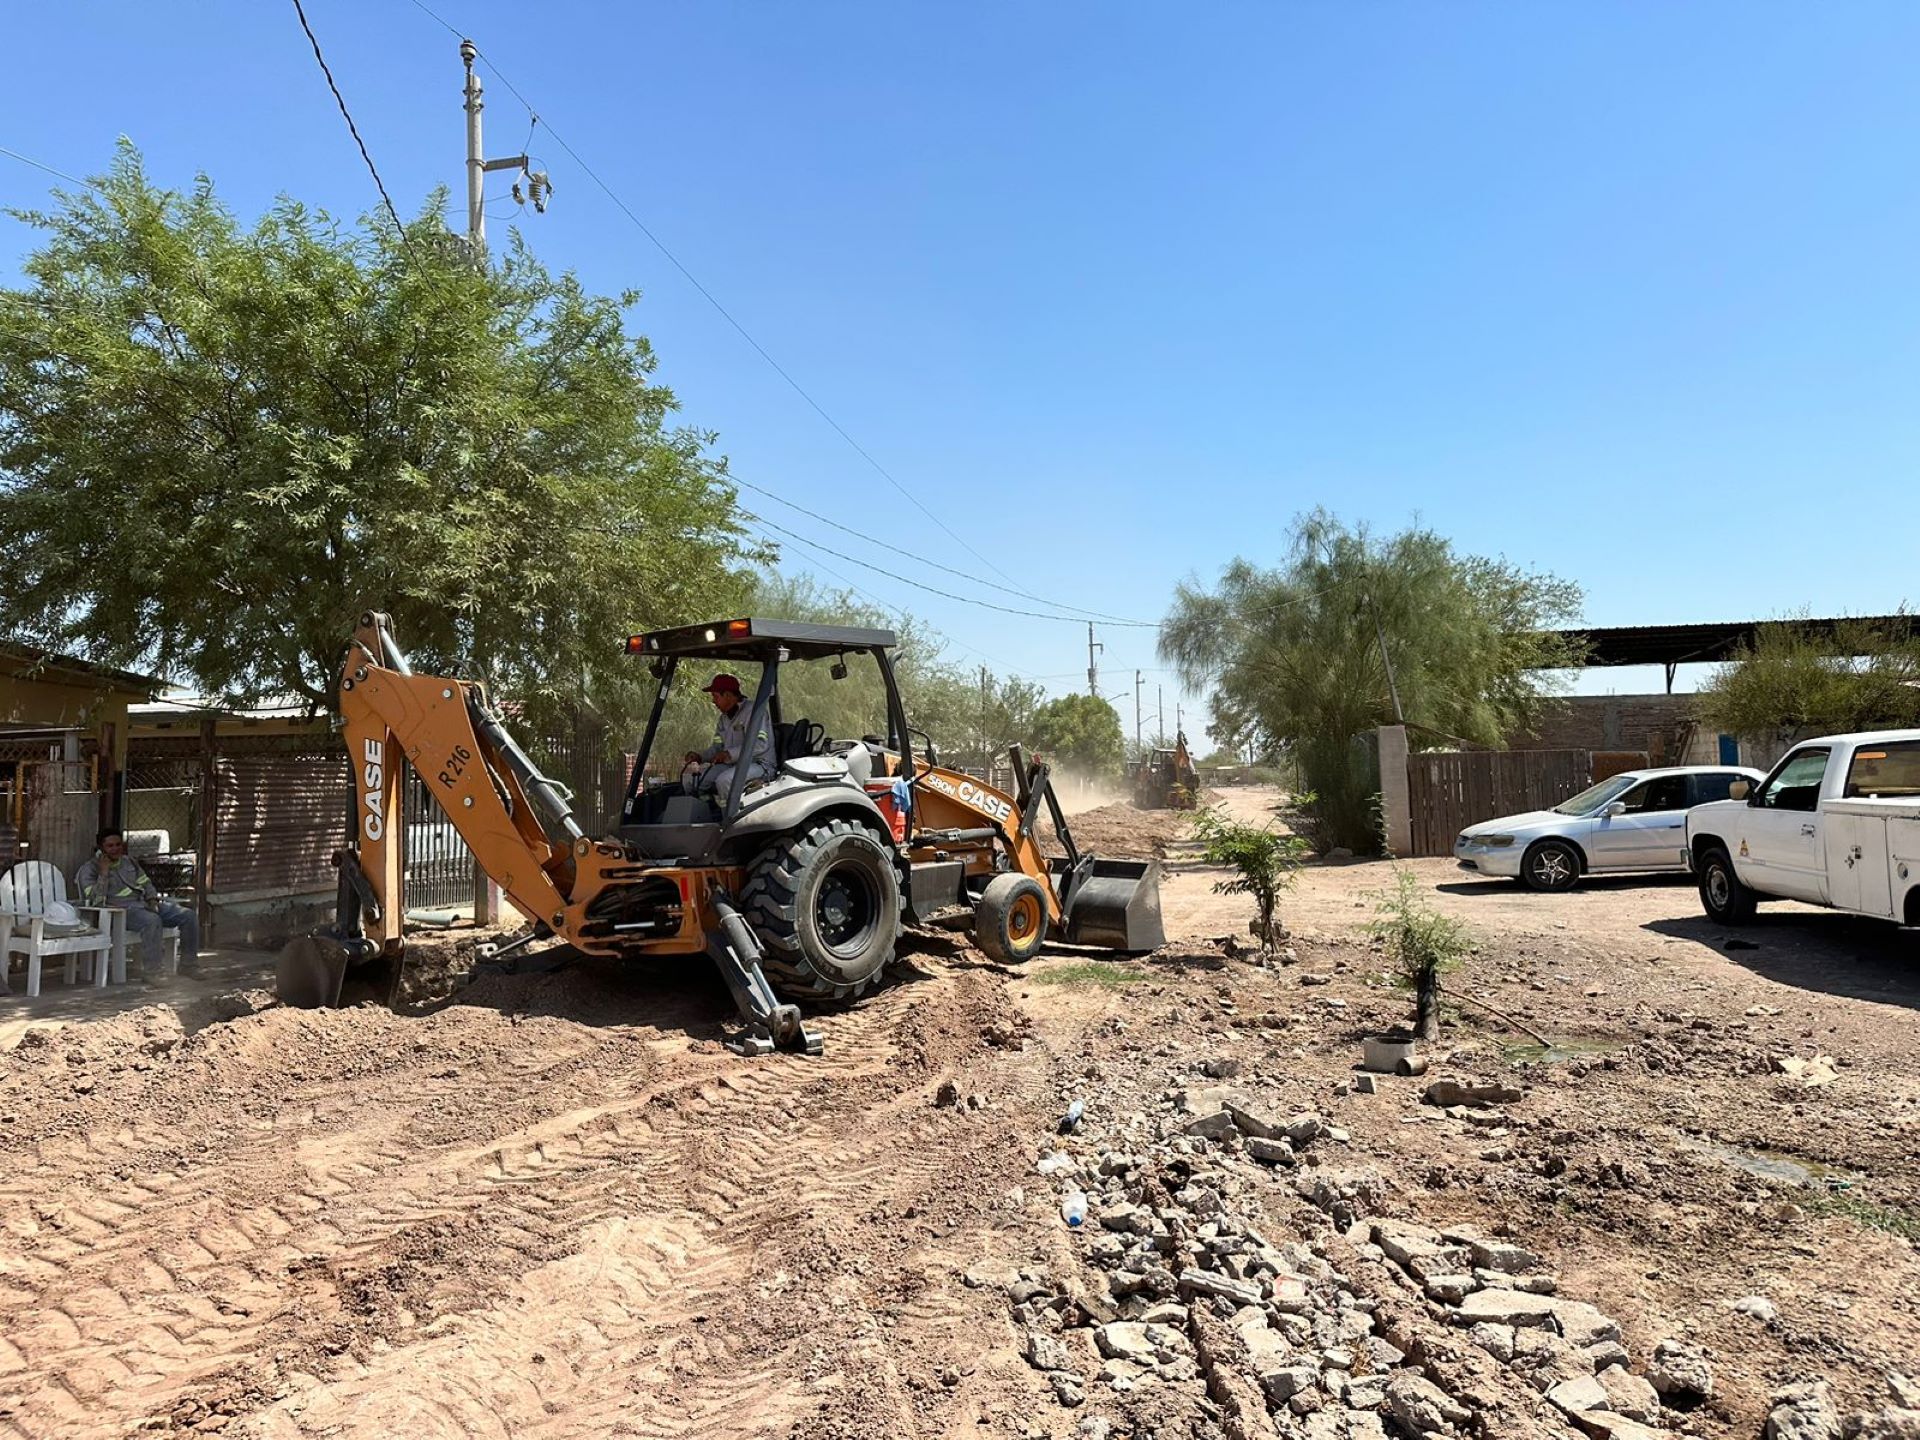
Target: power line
[1083, 615]
[930, 589]
[905, 617]
[712, 300]
[347, 115]
[42, 165]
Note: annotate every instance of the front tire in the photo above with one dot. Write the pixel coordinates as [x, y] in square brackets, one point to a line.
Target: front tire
[1550, 865]
[825, 904]
[1723, 896]
[1010, 922]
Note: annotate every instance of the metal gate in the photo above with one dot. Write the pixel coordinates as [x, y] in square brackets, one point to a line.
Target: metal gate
[50, 803]
[1449, 790]
[162, 808]
[439, 867]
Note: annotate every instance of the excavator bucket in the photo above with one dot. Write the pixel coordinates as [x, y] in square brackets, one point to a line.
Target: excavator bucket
[1115, 905]
[316, 972]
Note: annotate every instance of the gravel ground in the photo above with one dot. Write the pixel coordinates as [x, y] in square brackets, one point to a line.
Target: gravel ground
[554, 1205]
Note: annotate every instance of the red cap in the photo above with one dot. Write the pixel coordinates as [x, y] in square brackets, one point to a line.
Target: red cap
[729, 683]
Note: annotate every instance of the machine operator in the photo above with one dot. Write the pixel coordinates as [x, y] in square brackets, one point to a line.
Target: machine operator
[711, 771]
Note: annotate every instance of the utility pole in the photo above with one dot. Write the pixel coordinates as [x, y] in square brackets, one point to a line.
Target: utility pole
[1093, 666]
[1386, 660]
[539, 187]
[1139, 683]
[1179, 724]
[1160, 711]
[476, 155]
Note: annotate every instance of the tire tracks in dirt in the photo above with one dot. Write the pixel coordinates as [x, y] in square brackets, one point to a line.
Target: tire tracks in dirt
[359, 1224]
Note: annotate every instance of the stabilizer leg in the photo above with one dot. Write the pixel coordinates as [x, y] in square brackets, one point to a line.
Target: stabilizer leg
[770, 1024]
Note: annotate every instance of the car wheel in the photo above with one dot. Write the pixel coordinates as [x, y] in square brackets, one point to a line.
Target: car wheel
[1550, 865]
[1722, 894]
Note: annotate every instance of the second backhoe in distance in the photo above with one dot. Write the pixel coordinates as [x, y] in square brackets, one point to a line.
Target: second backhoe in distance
[797, 883]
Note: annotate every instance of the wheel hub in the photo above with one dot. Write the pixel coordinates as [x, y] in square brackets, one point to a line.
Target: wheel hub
[845, 911]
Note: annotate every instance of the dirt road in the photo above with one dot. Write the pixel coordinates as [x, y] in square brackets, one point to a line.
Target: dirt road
[557, 1207]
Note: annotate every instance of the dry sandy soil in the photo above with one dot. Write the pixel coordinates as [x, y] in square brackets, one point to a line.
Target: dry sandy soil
[554, 1205]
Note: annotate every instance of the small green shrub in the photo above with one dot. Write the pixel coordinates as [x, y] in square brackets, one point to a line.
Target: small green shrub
[1264, 862]
[1421, 943]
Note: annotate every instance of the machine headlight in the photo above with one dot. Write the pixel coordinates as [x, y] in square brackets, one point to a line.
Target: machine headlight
[1498, 842]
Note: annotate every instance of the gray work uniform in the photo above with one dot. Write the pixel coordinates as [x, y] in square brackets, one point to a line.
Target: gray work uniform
[125, 884]
[730, 735]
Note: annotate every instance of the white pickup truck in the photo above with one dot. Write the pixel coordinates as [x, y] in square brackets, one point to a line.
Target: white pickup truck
[1836, 823]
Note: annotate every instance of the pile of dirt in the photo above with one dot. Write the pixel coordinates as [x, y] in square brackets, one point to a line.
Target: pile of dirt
[1122, 831]
[439, 961]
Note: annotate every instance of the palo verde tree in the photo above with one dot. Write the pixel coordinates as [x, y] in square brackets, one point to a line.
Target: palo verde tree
[1793, 682]
[221, 442]
[1081, 734]
[1297, 656]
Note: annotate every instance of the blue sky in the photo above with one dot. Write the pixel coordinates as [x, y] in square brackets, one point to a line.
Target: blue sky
[1621, 292]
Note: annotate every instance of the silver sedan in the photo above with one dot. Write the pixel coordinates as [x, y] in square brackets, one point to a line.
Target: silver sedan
[1632, 821]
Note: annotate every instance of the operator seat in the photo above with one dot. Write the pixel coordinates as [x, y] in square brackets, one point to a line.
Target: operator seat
[798, 737]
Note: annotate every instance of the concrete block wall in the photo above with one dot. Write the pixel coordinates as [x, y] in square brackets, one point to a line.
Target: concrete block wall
[1396, 807]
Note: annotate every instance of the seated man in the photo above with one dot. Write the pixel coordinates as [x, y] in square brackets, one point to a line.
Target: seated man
[719, 760]
[113, 877]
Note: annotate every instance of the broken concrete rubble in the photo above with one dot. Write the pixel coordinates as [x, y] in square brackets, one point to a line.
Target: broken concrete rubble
[1047, 1352]
[1583, 1392]
[1896, 1422]
[1421, 1406]
[1447, 1092]
[1287, 1344]
[1578, 1321]
[1803, 1411]
[1680, 1372]
[1628, 1394]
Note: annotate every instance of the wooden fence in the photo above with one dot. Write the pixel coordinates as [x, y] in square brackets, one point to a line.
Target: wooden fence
[1449, 790]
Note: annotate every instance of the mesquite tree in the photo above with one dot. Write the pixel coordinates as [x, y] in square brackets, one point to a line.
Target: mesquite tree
[220, 442]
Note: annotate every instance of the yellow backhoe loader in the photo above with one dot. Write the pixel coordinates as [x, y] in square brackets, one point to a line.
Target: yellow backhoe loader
[1166, 779]
[796, 882]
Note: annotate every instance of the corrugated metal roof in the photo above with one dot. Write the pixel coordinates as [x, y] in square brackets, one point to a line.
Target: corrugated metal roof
[27, 662]
[1692, 644]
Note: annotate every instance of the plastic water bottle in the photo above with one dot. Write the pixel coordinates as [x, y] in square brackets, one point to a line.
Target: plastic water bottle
[1073, 1209]
[1071, 1120]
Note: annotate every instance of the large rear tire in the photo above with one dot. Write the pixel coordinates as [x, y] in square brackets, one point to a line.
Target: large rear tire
[1010, 922]
[1722, 895]
[826, 905]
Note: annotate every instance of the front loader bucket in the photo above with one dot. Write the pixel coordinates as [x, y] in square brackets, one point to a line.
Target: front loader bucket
[1117, 907]
[316, 972]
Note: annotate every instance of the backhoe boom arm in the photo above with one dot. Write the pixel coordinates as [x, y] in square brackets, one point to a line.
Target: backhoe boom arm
[467, 762]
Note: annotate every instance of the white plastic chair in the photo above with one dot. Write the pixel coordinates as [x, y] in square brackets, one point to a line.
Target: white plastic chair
[25, 892]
